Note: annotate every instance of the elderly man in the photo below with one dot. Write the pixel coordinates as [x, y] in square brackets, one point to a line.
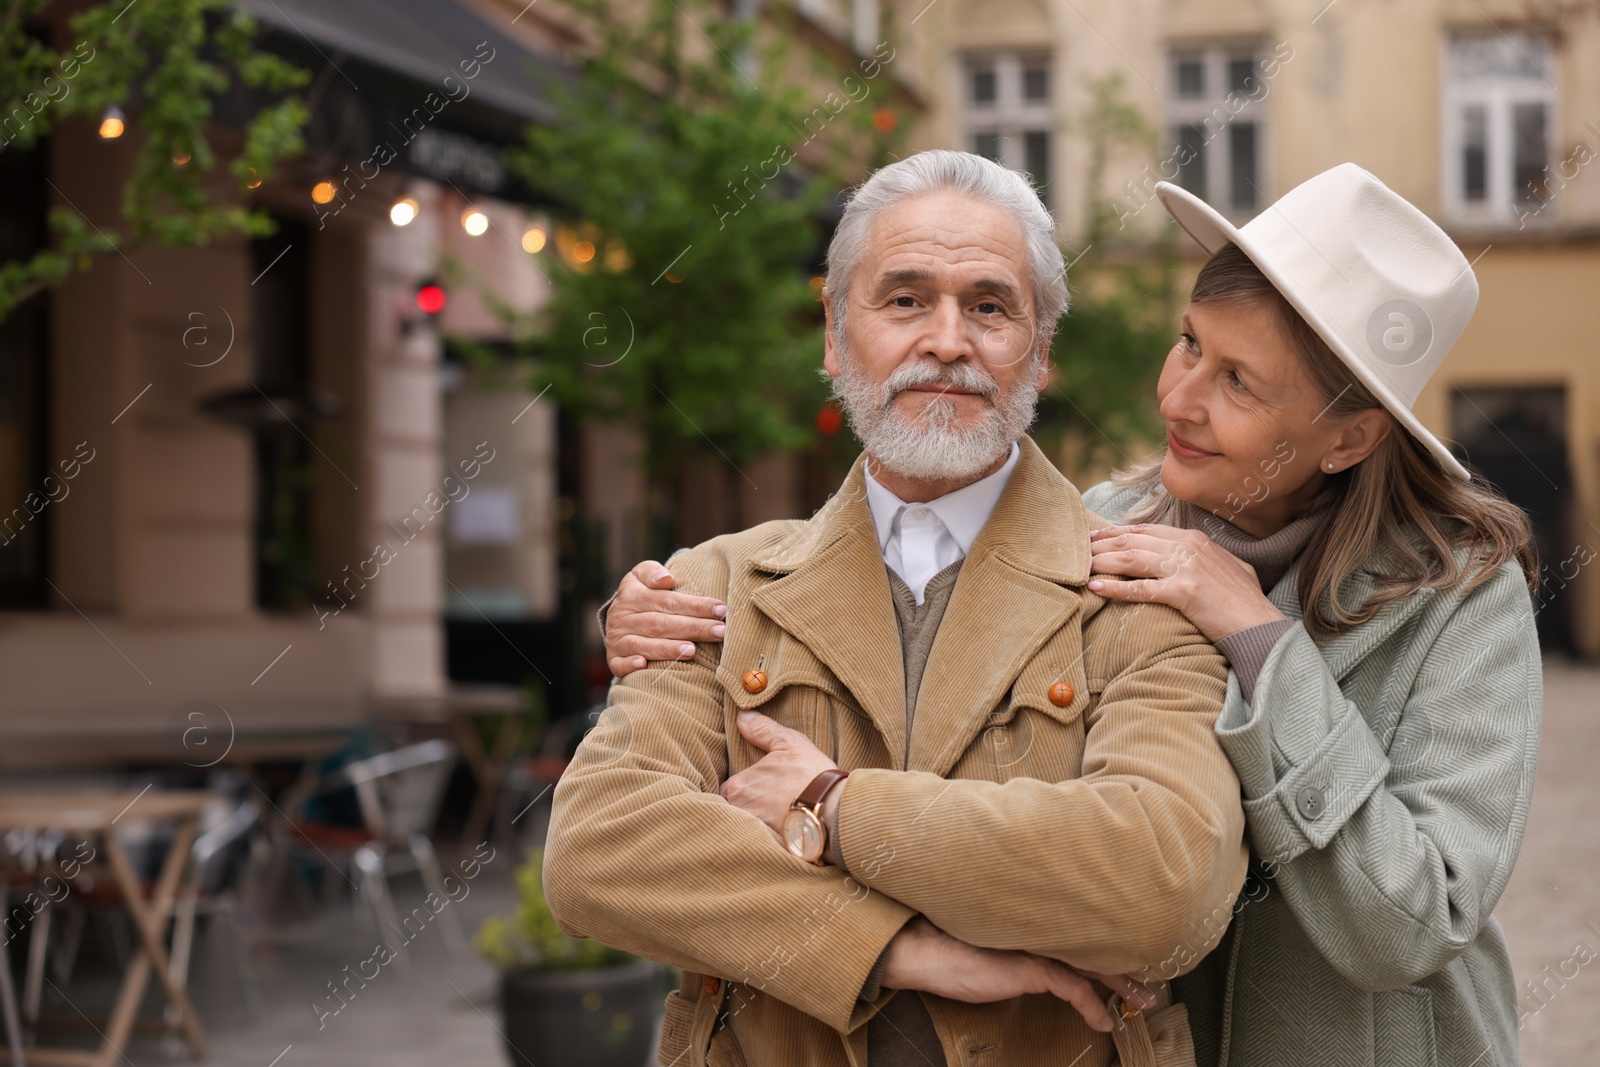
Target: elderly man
[931, 782]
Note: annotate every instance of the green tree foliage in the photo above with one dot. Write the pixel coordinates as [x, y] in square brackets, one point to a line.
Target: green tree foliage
[1109, 348]
[1108, 353]
[164, 63]
[699, 183]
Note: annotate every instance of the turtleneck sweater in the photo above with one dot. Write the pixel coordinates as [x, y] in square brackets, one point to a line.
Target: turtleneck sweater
[1272, 557]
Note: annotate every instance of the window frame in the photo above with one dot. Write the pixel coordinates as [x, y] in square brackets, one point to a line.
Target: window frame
[1498, 97]
[1010, 116]
[1215, 58]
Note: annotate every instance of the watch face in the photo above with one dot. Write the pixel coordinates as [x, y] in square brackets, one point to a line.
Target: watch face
[802, 834]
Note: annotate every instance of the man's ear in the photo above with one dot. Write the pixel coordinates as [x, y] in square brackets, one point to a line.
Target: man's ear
[1359, 436]
[1041, 378]
[830, 352]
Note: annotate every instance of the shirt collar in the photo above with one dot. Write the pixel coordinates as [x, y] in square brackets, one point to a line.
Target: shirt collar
[963, 511]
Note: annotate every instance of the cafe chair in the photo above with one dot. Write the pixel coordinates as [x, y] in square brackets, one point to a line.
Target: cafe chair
[218, 861]
[398, 794]
[525, 796]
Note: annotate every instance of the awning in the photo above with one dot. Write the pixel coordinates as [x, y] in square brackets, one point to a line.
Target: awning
[391, 72]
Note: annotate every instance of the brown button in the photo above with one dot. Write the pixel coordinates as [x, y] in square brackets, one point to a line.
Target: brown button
[713, 985]
[754, 681]
[1128, 1010]
[1061, 694]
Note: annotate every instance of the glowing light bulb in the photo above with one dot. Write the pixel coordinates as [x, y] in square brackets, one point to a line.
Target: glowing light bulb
[533, 239]
[324, 191]
[475, 222]
[113, 123]
[404, 211]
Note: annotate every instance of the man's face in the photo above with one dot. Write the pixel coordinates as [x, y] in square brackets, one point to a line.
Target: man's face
[940, 366]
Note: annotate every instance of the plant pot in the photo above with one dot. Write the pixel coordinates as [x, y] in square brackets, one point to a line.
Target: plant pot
[596, 1018]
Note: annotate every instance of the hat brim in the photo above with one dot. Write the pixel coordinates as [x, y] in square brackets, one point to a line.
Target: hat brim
[1213, 232]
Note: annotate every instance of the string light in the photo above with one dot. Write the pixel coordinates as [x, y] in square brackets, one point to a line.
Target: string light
[475, 222]
[112, 123]
[404, 211]
[324, 191]
[533, 239]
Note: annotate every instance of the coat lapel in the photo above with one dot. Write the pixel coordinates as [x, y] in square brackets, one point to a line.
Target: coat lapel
[1008, 600]
[834, 597]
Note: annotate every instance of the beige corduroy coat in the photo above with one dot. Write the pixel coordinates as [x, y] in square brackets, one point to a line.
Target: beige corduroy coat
[1106, 832]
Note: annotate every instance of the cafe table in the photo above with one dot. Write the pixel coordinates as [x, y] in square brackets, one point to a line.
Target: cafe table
[94, 813]
[508, 704]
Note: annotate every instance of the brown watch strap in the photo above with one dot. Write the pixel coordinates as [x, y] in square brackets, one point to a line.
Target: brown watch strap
[812, 794]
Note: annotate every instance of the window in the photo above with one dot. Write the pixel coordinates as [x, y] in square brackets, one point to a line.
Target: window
[28, 484]
[1009, 117]
[285, 556]
[1499, 117]
[983, 86]
[1216, 118]
[1036, 83]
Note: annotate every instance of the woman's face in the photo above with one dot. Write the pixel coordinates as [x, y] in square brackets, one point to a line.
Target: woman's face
[1246, 435]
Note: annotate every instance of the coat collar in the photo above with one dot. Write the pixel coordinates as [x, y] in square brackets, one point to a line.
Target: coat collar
[832, 593]
[1056, 549]
[963, 512]
[1343, 652]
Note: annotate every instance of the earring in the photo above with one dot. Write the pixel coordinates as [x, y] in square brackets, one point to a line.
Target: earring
[1330, 466]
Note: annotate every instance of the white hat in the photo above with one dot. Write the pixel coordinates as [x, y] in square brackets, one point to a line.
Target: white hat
[1379, 282]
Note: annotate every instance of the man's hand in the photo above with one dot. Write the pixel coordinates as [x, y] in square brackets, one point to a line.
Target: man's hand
[768, 787]
[924, 957]
[648, 622]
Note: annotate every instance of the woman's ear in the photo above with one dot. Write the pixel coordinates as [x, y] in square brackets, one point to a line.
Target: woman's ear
[1357, 438]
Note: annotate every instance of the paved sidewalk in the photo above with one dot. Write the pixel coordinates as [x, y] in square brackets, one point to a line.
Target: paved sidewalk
[1551, 910]
[445, 1012]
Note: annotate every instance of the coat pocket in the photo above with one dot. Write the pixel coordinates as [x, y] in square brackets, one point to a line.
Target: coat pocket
[1402, 1026]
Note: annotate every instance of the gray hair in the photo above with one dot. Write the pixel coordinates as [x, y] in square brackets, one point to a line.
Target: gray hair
[943, 170]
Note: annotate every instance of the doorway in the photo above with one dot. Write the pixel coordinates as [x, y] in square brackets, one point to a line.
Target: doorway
[1516, 438]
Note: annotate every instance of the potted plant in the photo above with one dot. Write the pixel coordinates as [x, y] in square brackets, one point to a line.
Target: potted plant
[566, 1000]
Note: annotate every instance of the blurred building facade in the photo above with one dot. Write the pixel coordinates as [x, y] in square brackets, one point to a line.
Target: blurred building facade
[1483, 113]
[251, 473]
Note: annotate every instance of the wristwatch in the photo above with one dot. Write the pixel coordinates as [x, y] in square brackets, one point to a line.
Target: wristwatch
[804, 833]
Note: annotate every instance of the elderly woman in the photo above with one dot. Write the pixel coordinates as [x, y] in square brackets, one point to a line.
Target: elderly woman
[1384, 701]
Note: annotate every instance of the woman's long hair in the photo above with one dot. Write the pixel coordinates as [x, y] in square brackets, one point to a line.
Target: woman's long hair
[1399, 503]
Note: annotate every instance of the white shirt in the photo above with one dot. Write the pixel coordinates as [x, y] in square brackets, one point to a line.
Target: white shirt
[920, 540]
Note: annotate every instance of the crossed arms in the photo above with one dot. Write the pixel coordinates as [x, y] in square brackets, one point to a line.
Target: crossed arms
[1111, 871]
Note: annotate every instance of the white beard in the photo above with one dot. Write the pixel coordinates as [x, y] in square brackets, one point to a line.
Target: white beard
[935, 449]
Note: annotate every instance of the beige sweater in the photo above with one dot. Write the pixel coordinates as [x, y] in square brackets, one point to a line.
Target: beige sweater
[902, 1033]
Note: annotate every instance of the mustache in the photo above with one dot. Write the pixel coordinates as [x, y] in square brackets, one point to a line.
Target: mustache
[963, 376]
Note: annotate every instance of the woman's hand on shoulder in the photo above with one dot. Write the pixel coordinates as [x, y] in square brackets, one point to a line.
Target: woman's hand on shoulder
[648, 621]
[1185, 569]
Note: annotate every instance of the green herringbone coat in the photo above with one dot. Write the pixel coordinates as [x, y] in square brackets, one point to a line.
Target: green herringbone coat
[1386, 776]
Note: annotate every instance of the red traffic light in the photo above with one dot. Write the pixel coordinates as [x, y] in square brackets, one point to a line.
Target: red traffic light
[431, 299]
